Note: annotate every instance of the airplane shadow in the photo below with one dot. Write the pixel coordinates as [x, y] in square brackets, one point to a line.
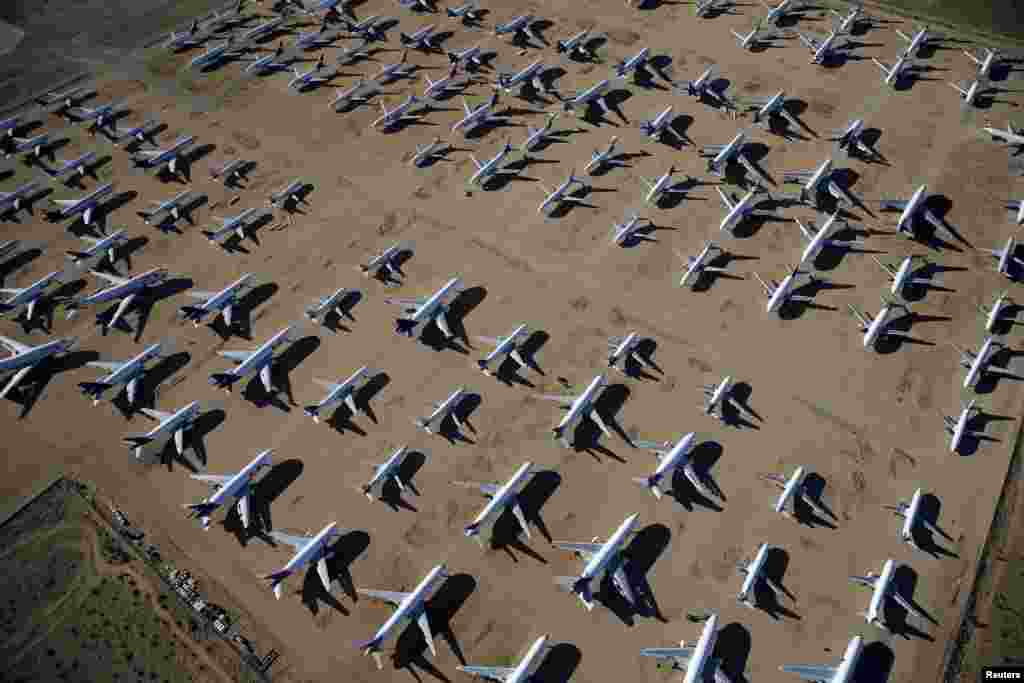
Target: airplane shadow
[775, 565]
[640, 555]
[971, 443]
[463, 304]
[924, 538]
[703, 458]
[733, 650]
[241, 323]
[508, 535]
[346, 550]
[143, 307]
[559, 664]
[33, 386]
[194, 440]
[904, 582]
[988, 382]
[264, 493]
[391, 495]
[341, 419]
[803, 513]
[875, 663]
[588, 435]
[466, 407]
[151, 382]
[281, 368]
[411, 647]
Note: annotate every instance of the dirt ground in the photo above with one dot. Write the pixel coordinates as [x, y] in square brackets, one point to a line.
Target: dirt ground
[869, 424]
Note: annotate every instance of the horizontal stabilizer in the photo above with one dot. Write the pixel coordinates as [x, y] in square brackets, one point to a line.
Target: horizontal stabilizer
[137, 441]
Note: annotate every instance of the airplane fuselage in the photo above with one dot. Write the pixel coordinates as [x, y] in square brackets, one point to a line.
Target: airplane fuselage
[179, 420]
[36, 354]
[610, 550]
[313, 550]
[384, 471]
[910, 517]
[899, 280]
[780, 294]
[877, 326]
[237, 485]
[632, 64]
[906, 218]
[225, 298]
[737, 213]
[678, 456]
[506, 345]
[977, 367]
[702, 651]
[582, 403]
[719, 394]
[431, 305]
[791, 488]
[444, 408]
[263, 355]
[88, 202]
[753, 573]
[501, 498]
[725, 156]
[623, 350]
[342, 391]
[410, 607]
[129, 288]
[881, 589]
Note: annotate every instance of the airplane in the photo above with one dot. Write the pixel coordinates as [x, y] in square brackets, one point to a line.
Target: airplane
[706, 8]
[86, 206]
[289, 195]
[841, 673]
[25, 358]
[910, 209]
[439, 87]
[584, 98]
[518, 27]
[851, 139]
[323, 306]
[815, 183]
[501, 497]
[633, 229]
[386, 262]
[172, 208]
[262, 30]
[882, 588]
[910, 512]
[344, 98]
[22, 301]
[169, 157]
[672, 457]
[33, 146]
[561, 193]
[127, 373]
[105, 247]
[878, 327]
[238, 486]
[601, 558]
[779, 11]
[125, 289]
[504, 348]
[490, 168]
[599, 159]
[219, 303]
[409, 607]
[479, 116]
[701, 89]
[957, 428]
[721, 155]
[697, 658]
[767, 108]
[1018, 207]
[100, 117]
[1006, 257]
[980, 363]
[717, 395]
[749, 40]
[822, 50]
[698, 265]
[663, 185]
[421, 39]
[16, 199]
[314, 40]
[275, 61]
[77, 167]
[387, 471]
[624, 349]
[579, 406]
[1011, 137]
[136, 134]
[536, 136]
[779, 293]
[233, 226]
[901, 275]
[470, 58]
[309, 79]
[418, 5]
[431, 424]
[818, 238]
[793, 488]
[576, 46]
[347, 56]
[660, 125]
[308, 549]
[389, 119]
[891, 75]
[330, 8]
[632, 65]
[218, 54]
[427, 309]
[231, 172]
[918, 41]
[739, 209]
[170, 425]
[971, 93]
[752, 573]
[258, 360]
[994, 313]
[468, 12]
[985, 63]
[849, 22]
[520, 673]
[367, 28]
[182, 40]
[344, 392]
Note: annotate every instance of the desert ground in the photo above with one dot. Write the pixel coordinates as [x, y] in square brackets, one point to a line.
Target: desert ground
[867, 424]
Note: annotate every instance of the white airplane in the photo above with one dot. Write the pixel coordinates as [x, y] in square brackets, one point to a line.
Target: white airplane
[739, 209]
[104, 248]
[721, 155]
[318, 311]
[672, 457]
[409, 607]
[662, 186]
[1016, 206]
[957, 428]
[99, 117]
[337, 393]
[418, 5]
[601, 558]
[367, 28]
[624, 349]
[697, 659]
[437, 88]
[173, 208]
[85, 206]
[390, 119]
[76, 168]
[901, 275]
[125, 289]
[632, 65]
[752, 573]
[878, 327]
[222, 302]
[235, 226]
[818, 238]
[22, 301]
[1011, 137]
[882, 588]
[262, 30]
[504, 348]
[231, 172]
[747, 41]
[216, 55]
[599, 159]
[275, 61]
[289, 195]
[314, 40]
[307, 549]
[698, 265]
[996, 312]
[779, 11]
[470, 59]
[841, 673]
[501, 497]
[386, 262]
[661, 125]
[970, 94]
[580, 406]
[519, 26]
[238, 486]
[536, 136]
[849, 21]
[985, 63]
[891, 75]
[980, 363]
[576, 46]
[918, 41]
[822, 50]
[170, 426]
[910, 512]
[910, 209]
[1006, 257]
[421, 39]
[427, 309]
[793, 488]
[701, 89]
[431, 423]
[128, 374]
[33, 146]
[259, 360]
[479, 116]
[520, 673]
[135, 134]
[813, 183]
[468, 12]
[632, 229]
[705, 8]
[491, 168]
[345, 98]
[311, 78]
[17, 199]
[850, 139]
[169, 157]
[24, 358]
[717, 395]
[561, 193]
[594, 94]
[387, 471]
[767, 108]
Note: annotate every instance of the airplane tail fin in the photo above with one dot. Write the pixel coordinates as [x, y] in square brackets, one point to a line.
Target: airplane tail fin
[371, 647]
[193, 313]
[650, 483]
[137, 441]
[94, 389]
[202, 511]
[313, 412]
[223, 380]
[405, 326]
[275, 581]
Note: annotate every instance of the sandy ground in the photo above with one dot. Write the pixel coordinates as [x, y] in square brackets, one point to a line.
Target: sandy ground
[868, 424]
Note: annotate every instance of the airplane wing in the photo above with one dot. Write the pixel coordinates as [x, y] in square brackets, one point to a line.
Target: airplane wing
[486, 489]
[681, 655]
[424, 625]
[111, 366]
[237, 356]
[809, 42]
[156, 414]
[725, 199]
[656, 446]
[585, 549]
[807, 233]
[65, 202]
[1002, 372]
[868, 581]
[811, 673]
[14, 346]
[406, 302]
[112, 279]
[893, 204]
[200, 294]
[565, 400]
[393, 597]
[214, 479]
[297, 542]
[864, 322]
[150, 154]
[442, 323]
[329, 386]
[647, 182]
[493, 673]
[266, 379]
